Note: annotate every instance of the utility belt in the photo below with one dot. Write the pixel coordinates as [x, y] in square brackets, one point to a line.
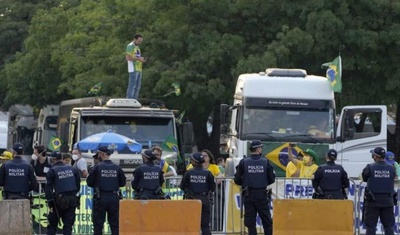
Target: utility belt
[98, 192]
[16, 195]
[203, 196]
[157, 192]
[247, 190]
[66, 200]
[370, 196]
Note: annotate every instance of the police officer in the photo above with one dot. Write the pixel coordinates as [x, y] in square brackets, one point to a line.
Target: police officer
[254, 174]
[17, 176]
[378, 196]
[330, 180]
[106, 178]
[148, 178]
[62, 186]
[198, 183]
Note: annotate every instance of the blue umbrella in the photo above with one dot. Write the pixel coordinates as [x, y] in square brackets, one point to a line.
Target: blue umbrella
[112, 140]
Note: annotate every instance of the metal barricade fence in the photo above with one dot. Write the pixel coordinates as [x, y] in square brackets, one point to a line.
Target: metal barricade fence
[225, 211]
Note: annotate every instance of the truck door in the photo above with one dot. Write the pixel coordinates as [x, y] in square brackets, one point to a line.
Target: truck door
[360, 129]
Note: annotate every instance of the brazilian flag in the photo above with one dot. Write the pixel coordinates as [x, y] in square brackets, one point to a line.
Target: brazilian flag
[95, 90]
[177, 88]
[54, 143]
[334, 73]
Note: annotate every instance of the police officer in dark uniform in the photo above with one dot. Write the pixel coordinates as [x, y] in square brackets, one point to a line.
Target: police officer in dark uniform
[62, 188]
[254, 174]
[148, 178]
[199, 183]
[106, 178]
[330, 180]
[379, 194]
[17, 176]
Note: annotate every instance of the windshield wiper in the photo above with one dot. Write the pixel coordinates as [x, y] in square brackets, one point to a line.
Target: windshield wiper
[261, 134]
[310, 137]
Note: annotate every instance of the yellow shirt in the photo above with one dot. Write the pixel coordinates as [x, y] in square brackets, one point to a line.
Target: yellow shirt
[290, 169]
[214, 169]
[165, 168]
[306, 171]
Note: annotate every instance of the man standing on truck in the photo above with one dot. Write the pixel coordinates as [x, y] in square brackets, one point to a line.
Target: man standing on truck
[135, 61]
[379, 195]
[254, 174]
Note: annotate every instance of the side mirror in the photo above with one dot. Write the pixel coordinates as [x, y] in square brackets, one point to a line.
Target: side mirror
[224, 113]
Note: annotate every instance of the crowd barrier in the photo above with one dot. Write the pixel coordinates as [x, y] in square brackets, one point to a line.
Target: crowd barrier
[225, 212]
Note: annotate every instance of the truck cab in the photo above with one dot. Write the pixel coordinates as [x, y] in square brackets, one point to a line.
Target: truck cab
[277, 107]
[148, 125]
[282, 106]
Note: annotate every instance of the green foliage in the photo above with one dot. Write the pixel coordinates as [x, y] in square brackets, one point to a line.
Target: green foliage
[203, 45]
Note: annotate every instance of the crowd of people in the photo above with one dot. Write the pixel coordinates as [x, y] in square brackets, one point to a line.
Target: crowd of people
[254, 174]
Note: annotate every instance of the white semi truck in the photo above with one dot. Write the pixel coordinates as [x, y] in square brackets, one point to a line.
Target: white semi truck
[282, 106]
[149, 125]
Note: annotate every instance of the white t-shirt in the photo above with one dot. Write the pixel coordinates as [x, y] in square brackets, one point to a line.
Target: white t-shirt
[81, 165]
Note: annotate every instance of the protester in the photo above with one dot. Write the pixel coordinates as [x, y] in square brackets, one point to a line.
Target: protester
[135, 61]
[390, 159]
[221, 165]
[291, 168]
[79, 163]
[307, 166]
[5, 156]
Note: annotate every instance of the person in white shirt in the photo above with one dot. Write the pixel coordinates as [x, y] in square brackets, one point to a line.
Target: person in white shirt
[80, 163]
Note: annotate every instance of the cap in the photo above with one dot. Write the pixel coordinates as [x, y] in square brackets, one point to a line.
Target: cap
[256, 144]
[379, 151]
[149, 154]
[331, 153]
[6, 155]
[198, 157]
[312, 154]
[56, 155]
[104, 149]
[96, 156]
[389, 159]
[18, 148]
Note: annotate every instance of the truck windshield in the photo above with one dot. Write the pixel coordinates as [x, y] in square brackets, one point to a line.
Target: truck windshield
[304, 125]
[145, 130]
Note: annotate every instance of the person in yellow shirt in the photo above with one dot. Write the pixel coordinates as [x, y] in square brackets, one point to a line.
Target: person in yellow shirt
[208, 164]
[306, 166]
[291, 168]
[5, 156]
[157, 150]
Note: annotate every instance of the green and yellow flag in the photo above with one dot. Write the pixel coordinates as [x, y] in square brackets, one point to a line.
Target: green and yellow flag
[95, 90]
[171, 144]
[54, 143]
[177, 88]
[334, 73]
